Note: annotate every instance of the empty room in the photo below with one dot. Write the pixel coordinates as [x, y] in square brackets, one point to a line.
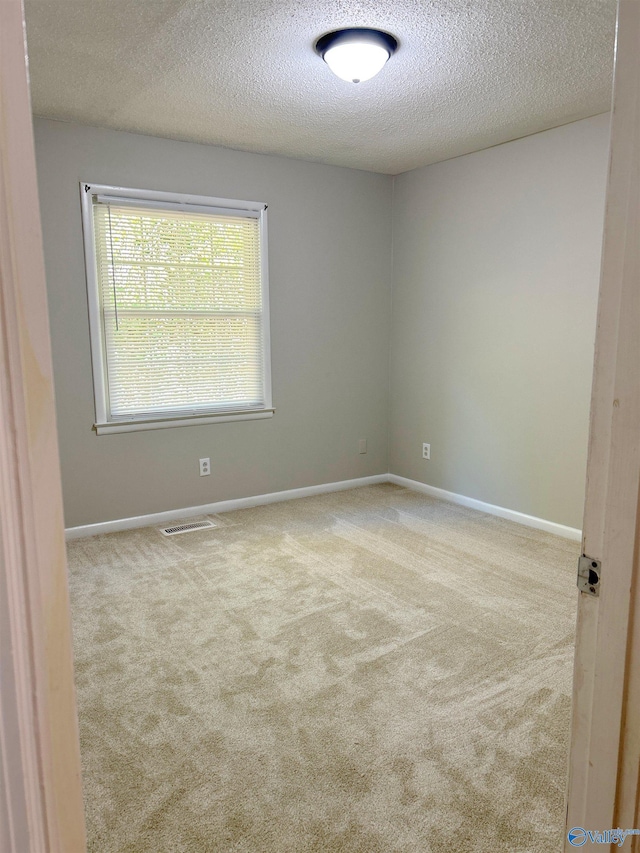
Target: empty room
[323, 344]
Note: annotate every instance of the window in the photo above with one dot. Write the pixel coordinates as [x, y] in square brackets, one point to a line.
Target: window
[178, 308]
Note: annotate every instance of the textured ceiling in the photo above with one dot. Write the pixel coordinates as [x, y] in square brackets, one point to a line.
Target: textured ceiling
[468, 73]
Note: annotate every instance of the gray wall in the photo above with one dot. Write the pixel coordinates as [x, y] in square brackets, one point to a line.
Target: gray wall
[495, 278]
[496, 269]
[330, 275]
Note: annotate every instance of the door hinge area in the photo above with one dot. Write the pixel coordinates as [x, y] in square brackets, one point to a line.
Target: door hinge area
[589, 573]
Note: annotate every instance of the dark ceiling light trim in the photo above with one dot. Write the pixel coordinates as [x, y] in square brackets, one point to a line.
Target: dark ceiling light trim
[343, 49]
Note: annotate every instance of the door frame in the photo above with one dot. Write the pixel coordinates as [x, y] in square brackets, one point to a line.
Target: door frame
[603, 785]
[40, 787]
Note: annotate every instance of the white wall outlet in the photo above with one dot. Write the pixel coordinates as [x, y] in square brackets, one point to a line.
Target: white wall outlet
[362, 445]
[426, 451]
[205, 467]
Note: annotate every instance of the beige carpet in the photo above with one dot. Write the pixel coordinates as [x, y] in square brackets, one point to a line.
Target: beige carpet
[370, 671]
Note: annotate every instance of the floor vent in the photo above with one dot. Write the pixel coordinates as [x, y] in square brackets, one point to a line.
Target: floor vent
[186, 528]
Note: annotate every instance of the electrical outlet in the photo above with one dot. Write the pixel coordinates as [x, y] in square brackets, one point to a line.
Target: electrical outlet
[426, 451]
[362, 445]
[205, 467]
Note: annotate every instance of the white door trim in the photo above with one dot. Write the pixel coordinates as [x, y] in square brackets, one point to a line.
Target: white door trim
[603, 765]
[40, 790]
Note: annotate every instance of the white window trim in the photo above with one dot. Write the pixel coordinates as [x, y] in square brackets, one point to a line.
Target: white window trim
[187, 203]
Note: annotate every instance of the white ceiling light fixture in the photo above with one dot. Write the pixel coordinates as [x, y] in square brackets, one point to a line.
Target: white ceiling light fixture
[356, 54]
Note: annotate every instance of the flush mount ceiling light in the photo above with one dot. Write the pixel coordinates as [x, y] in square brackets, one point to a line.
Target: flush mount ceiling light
[356, 54]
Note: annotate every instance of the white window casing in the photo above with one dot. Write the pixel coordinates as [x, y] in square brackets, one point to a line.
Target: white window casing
[178, 308]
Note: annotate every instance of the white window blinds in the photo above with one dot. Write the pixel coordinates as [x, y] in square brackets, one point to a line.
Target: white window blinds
[181, 310]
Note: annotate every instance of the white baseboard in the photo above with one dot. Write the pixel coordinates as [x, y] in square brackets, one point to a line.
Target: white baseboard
[289, 494]
[220, 506]
[519, 517]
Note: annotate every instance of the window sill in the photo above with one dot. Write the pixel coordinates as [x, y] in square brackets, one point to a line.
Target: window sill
[168, 423]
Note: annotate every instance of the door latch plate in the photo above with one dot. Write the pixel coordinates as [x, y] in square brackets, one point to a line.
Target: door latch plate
[589, 575]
